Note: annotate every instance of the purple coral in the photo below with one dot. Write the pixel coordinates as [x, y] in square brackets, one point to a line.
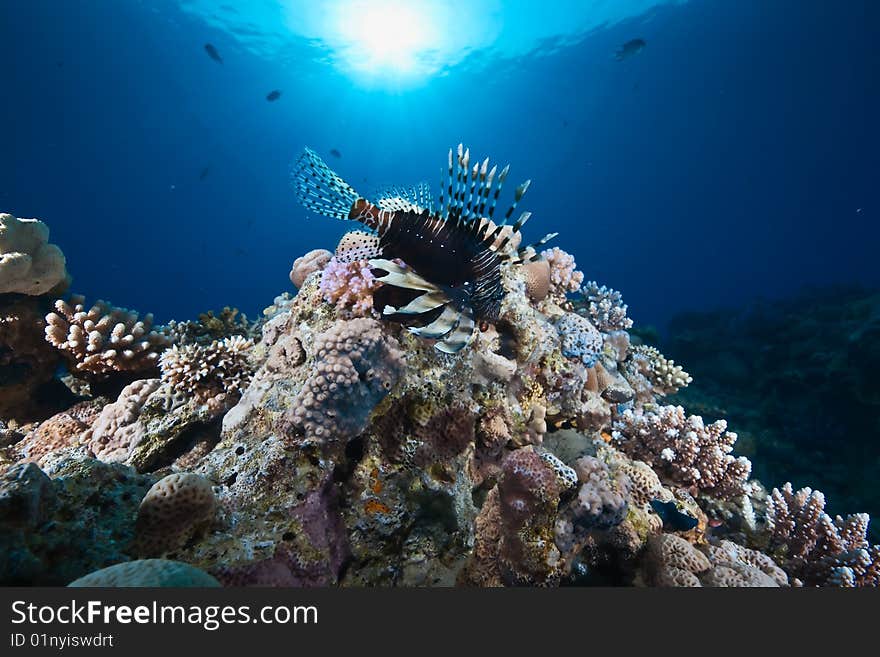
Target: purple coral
[349, 286]
[684, 449]
[355, 368]
[563, 274]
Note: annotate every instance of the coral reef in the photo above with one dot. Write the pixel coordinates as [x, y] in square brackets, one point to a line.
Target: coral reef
[329, 445]
[28, 263]
[103, 340]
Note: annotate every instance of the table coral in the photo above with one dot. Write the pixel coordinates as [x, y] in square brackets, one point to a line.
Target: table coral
[103, 340]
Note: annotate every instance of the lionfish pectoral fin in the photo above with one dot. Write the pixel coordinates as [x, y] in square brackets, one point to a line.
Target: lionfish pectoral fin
[458, 338]
[400, 277]
[421, 304]
[440, 327]
[319, 189]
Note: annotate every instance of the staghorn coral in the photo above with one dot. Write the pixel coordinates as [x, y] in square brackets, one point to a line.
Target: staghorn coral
[148, 573]
[355, 367]
[684, 449]
[815, 548]
[662, 374]
[306, 265]
[103, 340]
[349, 286]
[604, 307]
[172, 512]
[222, 367]
[28, 263]
[563, 276]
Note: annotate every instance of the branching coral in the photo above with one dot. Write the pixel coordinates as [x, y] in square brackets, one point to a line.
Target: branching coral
[604, 307]
[564, 277]
[684, 449]
[103, 340]
[209, 370]
[814, 547]
[349, 286]
[210, 327]
[663, 375]
[28, 263]
[355, 367]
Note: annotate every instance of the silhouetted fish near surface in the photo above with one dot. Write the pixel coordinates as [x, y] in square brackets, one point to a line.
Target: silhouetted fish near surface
[204, 173]
[336, 153]
[673, 518]
[212, 53]
[273, 95]
[630, 48]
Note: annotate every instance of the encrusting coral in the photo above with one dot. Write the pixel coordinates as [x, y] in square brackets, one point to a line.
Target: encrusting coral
[103, 339]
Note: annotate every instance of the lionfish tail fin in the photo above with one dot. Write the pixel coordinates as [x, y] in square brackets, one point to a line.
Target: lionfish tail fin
[319, 189]
[530, 253]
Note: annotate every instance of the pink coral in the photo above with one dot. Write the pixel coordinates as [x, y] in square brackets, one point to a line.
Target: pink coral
[349, 286]
[306, 265]
[684, 449]
[563, 275]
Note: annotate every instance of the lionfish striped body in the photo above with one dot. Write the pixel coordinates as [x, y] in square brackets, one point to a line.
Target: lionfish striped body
[453, 255]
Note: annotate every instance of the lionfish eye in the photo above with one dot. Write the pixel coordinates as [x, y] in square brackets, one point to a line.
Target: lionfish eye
[484, 326]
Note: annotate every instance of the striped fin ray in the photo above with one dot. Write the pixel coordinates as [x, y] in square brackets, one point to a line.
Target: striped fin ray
[530, 253]
[458, 338]
[399, 276]
[319, 189]
[421, 304]
[440, 327]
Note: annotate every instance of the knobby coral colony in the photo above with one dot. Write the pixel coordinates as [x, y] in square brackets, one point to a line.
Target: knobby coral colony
[453, 255]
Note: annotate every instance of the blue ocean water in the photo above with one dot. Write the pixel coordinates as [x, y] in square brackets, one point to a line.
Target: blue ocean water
[734, 157]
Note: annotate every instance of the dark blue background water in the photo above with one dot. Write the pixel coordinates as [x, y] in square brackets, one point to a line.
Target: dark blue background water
[726, 161]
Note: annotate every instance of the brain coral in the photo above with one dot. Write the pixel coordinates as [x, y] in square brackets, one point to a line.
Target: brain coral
[355, 367]
[308, 264]
[103, 340]
[28, 263]
[148, 573]
[172, 512]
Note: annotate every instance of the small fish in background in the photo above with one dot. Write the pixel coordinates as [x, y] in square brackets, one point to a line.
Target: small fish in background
[630, 48]
[212, 53]
[673, 518]
[204, 173]
[336, 153]
[273, 95]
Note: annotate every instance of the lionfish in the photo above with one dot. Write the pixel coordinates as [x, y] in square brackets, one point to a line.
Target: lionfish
[452, 254]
